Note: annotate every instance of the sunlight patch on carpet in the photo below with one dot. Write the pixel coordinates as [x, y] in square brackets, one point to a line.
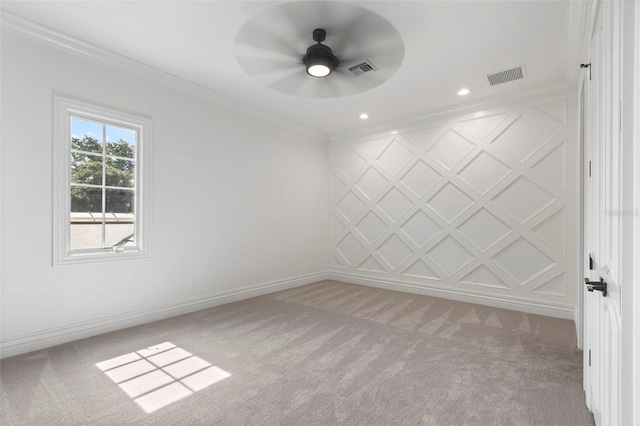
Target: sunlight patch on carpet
[161, 375]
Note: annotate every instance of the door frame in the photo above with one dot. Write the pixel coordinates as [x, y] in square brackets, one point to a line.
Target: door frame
[582, 253]
[586, 17]
[630, 213]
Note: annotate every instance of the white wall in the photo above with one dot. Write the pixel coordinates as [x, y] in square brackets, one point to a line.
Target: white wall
[237, 202]
[479, 207]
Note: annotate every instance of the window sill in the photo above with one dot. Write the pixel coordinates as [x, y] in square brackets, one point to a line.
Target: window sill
[107, 256]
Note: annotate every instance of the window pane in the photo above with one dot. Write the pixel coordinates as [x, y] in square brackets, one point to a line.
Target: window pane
[86, 218]
[120, 201]
[119, 218]
[120, 173]
[86, 135]
[85, 199]
[121, 142]
[86, 169]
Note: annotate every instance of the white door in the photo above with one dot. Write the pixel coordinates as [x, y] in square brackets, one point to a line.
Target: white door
[602, 231]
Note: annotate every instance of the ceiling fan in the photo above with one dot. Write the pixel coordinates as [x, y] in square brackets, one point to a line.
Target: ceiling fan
[355, 51]
[320, 60]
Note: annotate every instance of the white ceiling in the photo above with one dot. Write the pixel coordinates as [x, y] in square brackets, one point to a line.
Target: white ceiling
[448, 45]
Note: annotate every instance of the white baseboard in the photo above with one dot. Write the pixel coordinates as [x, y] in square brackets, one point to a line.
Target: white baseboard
[550, 309]
[42, 339]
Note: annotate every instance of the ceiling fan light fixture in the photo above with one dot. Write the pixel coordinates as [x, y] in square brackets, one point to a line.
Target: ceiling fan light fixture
[319, 60]
[318, 70]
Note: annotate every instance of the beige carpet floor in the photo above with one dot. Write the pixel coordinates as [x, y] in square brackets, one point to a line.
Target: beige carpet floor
[325, 353]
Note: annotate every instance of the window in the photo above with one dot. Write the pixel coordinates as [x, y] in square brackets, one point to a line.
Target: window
[100, 183]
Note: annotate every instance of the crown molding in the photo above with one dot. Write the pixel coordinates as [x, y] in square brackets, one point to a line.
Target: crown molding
[389, 127]
[47, 36]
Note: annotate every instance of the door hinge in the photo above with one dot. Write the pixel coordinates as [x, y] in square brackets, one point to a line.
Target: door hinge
[589, 357]
[589, 168]
[590, 262]
[587, 66]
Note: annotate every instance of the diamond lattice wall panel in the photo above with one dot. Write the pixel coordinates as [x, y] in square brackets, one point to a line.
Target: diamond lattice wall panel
[337, 186]
[523, 261]
[420, 178]
[552, 230]
[484, 172]
[371, 264]
[394, 157]
[371, 183]
[370, 147]
[477, 204]
[552, 167]
[421, 137]
[484, 277]
[371, 227]
[419, 269]
[420, 228]
[450, 255]
[484, 125]
[450, 202]
[337, 227]
[450, 148]
[350, 205]
[336, 262]
[523, 137]
[394, 251]
[394, 204]
[555, 109]
[483, 229]
[350, 248]
[523, 199]
[555, 286]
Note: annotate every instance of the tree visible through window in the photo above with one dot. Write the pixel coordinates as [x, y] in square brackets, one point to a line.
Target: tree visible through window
[102, 185]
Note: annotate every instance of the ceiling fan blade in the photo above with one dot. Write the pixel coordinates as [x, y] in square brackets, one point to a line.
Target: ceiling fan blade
[383, 49]
[265, 36]
[296, 83]
[337, 86]
[267, 66]
[345, 33]
[254, 52]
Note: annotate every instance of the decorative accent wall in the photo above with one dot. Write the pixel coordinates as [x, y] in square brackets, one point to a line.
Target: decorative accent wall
[473, 207]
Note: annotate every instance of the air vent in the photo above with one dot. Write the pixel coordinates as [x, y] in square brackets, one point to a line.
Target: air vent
[512, 74]
[362, 68]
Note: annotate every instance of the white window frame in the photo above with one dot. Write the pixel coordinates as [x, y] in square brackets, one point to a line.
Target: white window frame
[64, 109]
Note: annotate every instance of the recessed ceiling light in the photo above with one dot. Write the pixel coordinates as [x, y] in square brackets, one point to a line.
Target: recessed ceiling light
[463, 92]
[364, 116]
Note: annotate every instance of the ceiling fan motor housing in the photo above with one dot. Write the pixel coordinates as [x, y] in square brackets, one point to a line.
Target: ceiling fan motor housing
[319, 35]
[319, 54]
